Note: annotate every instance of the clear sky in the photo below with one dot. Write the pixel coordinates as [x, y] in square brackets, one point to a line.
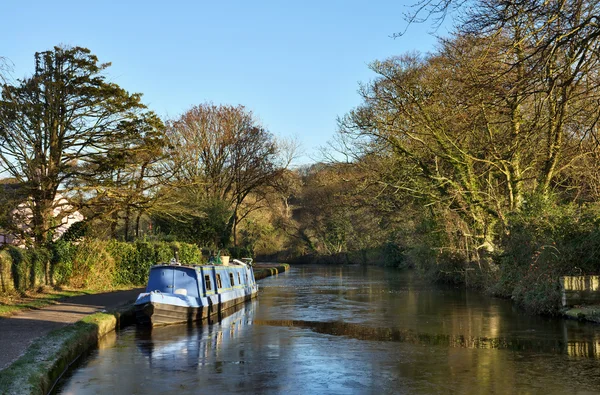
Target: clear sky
[296, 65]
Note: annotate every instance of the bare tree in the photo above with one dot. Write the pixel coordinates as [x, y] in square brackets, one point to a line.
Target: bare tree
[5, 68]
[225, 154]
[505, 108]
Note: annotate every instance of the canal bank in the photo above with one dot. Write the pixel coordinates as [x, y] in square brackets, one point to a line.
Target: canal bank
[49, 340]
[48, 357]
[584, 313]
[262, 270]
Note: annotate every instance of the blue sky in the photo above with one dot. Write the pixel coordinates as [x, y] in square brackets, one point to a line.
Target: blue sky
[296, 65]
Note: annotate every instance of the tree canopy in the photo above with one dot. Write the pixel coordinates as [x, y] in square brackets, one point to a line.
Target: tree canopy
[64, 125]
[222, 156]
[504, 110]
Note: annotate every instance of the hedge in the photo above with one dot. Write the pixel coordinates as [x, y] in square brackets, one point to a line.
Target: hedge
[90, 264]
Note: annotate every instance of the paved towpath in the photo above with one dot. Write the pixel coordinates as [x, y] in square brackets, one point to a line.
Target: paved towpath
[17, 332]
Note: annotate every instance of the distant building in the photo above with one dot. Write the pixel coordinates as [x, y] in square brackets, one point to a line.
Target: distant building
[22, 215]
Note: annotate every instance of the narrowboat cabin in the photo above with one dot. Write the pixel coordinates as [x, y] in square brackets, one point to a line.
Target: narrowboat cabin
[179, 293]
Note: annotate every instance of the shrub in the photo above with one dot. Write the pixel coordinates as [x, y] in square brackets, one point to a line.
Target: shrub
[62, 261]
[538, 291]
[237, 252]
[394, 255]
[546, 241]
[6, 278]
[190, 253]
[163, 252]
[93, 266]
[125, 257]
[90, 263]
[76, 231]
[145, 258]
[38, 260]
[19, 269]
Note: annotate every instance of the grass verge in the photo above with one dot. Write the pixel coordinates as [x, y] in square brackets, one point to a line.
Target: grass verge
[12, 304]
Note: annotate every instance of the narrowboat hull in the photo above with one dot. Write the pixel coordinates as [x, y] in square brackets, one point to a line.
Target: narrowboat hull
[164, 312]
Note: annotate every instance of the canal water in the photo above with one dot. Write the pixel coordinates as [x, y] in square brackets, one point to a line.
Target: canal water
[351, 330]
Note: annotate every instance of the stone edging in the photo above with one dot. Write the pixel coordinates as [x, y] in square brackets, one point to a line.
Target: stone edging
[265, 270]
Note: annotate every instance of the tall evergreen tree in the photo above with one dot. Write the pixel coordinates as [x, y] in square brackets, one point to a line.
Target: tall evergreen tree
[59, 125]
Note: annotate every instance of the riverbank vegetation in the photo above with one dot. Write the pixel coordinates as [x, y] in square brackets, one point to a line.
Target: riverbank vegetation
[476, 163]
[489, 147]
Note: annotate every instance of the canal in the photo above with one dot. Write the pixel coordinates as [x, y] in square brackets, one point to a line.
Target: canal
[351, 330]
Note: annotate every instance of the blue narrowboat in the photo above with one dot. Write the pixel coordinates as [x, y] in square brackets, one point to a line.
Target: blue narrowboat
[179, 293]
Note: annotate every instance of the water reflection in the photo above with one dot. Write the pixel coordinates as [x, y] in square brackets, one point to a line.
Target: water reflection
[177, 347]
[588, 349]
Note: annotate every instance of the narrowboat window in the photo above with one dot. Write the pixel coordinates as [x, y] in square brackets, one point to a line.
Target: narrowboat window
[239, 279]
[219, 284]
[207, 282]
[231, 279]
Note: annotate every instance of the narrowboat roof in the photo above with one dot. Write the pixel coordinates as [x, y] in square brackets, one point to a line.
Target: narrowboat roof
[232, 264]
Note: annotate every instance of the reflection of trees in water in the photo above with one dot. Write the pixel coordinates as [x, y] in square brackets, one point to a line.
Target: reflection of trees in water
[589, 348]
[584, 349]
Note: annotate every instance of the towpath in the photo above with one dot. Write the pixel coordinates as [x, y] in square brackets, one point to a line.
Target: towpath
[17, 332]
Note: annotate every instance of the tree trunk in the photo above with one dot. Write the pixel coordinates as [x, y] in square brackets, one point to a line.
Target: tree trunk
[234, 230]
[127, 220]
[137, 225]
[113, 225]
[48, 277]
